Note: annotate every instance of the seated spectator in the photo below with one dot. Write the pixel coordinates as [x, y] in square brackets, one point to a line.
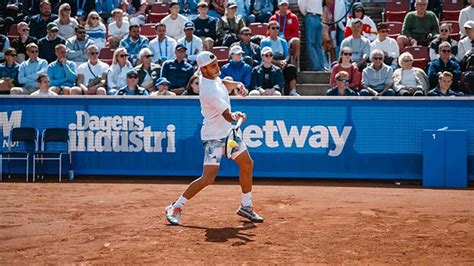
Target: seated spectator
[419, 27]
[344, 63]
[162, 46]
[236, 68]
[48, 43]
[342, 86]
[289, 29]
[62, 72]
[20, 42]
[43, 89]
[188, 8]
[409, 80]
[91, 75]
[445, 79]
[133, 43]
[4, 45]
[162, 85]
[29, 71]
[229, 26]
[387, 45]
[261, 10]
[217, 8]
[444, 32]
[131, 87]
[444, 63]
[80, 8]
[267, 79]
[66, 24]
[118, 29]
[148, 72]
[77, 46]
[243, 10]
[193, 86]
[251, 51]
[205, 26]
[117, 74]
[465, 15]
[377, 77]
[95, 29]
[281, 56]
[38, 23]
[9, 72]
[466, 44]
[359, 45]
[178, 71]
[369, 30]
[467, 68]
[136, 11]
[192, 43]
[105, 7]
[174, 22]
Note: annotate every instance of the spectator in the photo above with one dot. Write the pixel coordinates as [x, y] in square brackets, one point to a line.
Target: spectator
[289, 29]
[409, 80]
[280, 56]
[95, 29]
[133, 43]
[117, 74]
[192, 88]
[313, 10]
[467, 68]
[9, 71]
[267, 79]
[359, 44]
[162, 46]
[445, 79]
[444, 36]
[38, 23]
[251, 51]
[336, 18]
[136, 10]
[4, 45]
[377, 77]
[261, 10]
[48, 43]
[29, 70]
[105, 7]
[192, 43]
[174, 22]
[344, 63]
[188, 8]
[218, 7]
[444, 63]
[91, 75]
[466, 44]
[118, 29]
[243, 10]
[205, 26]
[77, 46]
[148, 72]
[22, 41]
[62, 72]
[465, 15]
[369, 30]
[162, 85]
[342, 86]
[80, 8]
[387, 45]
[236, 68]
[178, 71]
[66, 24]
[229, 26]
[419, 27]
[44, 89]
[132, 88]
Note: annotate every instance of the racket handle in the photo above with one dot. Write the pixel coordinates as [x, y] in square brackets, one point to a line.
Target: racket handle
[239, 122]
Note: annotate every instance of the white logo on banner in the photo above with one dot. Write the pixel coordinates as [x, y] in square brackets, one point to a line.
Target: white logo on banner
[118, 134]
[6, 124]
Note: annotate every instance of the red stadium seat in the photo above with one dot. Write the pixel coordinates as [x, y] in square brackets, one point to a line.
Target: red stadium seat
[394, 16]
[450, 14]
[148, 30]
[107, 61]
[156, 17]
[106, 53]
[159, 8]
[397, 6]
[222, 54]
[421, 55]
[13, 31]
[453, 5]
[259, 28]
[395, 28]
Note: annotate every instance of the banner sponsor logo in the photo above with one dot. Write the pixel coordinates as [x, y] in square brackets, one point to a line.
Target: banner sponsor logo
[7, 123]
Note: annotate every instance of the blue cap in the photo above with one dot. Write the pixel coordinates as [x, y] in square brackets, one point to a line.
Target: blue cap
[188, 25]
[180, 46]
[162, 80]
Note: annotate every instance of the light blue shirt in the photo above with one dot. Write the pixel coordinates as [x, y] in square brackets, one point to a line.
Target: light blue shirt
[279, 46]
[29, 71]
[62, 75]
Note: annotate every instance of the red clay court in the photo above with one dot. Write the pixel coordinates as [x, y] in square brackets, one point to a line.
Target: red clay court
[306, 222]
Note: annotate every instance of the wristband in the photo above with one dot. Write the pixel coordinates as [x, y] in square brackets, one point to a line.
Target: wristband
[234, 116]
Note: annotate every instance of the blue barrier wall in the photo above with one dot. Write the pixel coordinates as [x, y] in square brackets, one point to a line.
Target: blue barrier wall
[304, 137]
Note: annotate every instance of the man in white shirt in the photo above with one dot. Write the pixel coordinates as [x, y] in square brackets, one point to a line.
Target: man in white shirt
[466, 44]
[174, 22]
[215, 107]
[192, 42]
[118, 29]
[44, 90]
[465, 15]
[387, 45]
[162, 46]
[313, 9]
[91, 75]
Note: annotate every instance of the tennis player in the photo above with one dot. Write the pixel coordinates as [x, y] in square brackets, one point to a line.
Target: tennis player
[215, 107]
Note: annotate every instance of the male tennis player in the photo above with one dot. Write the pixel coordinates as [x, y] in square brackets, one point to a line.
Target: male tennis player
[215, 107]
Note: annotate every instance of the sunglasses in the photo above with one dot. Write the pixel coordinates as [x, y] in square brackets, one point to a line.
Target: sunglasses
[123, 55]
[343, 80]
[33, 51]
[149, 56]
[275, 28]
[349, 54]
[67, 9]
[13, 55]
[95, 18]
[268, 55]
[81, 32]
[444, 30]
[446, 51]
[133, 77]
[377, 58]
[54, 30]
[94, 53]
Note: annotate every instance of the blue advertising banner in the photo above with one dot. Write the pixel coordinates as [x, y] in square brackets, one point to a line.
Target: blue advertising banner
[308, 137]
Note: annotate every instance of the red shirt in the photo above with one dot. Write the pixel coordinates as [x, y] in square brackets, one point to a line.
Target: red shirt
[289, 24]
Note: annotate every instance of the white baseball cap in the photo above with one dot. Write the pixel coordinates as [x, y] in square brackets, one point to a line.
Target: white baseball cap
[204, 58]
[266, 50]
[236, 49]
[469, 24]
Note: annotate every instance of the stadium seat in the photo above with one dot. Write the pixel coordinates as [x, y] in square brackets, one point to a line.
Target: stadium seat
[159, 8]
[156, 17]
[453, 5]
[148, 30]
[107, 61]
[13, 31]
[394, 16]
[421, 55]
[259, 28]
[397, 6]
[395, 28]
[106, 53]
[450, 14]
[222, 54]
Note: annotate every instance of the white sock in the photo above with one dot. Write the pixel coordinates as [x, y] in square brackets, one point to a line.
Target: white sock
[180, 202]
[247, 199]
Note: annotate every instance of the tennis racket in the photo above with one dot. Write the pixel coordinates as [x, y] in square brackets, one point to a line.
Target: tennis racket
[230, 143]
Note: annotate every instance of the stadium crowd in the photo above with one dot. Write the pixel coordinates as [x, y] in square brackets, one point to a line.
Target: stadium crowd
[140, 47]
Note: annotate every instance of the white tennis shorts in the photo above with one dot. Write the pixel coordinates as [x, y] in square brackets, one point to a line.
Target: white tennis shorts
[214, 150]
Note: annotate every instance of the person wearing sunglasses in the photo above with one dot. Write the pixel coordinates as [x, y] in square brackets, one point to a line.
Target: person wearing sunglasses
[91, 75]
[409, 80]
[65, 22]
[387, 45]
[377, 77]
[251, 51]
[38, 23]
[237, 69]
[9, 71]
[342, 86]
[344, 63]
[444, 36]
[77, 46]
[96, 29]
[369, 30]
[465, 15]
[445, 62]
[178, 71]
[445, 79]
[29, 70]
[131, 87]
[48, 43]
[148, 72]
[20, 42]
[267, 79]
[117, 74]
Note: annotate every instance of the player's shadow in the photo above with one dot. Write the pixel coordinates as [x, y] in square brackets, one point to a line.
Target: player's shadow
[220, 235]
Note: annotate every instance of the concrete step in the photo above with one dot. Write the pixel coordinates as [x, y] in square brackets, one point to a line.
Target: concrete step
[312, 89]
[313, 77]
